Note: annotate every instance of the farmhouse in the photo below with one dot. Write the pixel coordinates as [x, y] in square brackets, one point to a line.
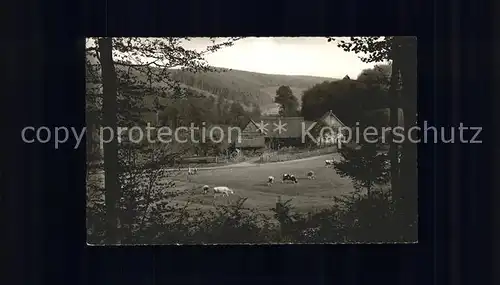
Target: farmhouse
[329, 119]
[273, 132]
[331, 125]
[251, 137]
[276, 132]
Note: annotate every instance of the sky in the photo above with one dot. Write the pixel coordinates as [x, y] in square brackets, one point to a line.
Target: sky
[285, 55]
[282, 55]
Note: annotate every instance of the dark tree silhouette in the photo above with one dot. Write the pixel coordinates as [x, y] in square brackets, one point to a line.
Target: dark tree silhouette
[365, 166]
[141, 63]
[288, 102]
[403, 53]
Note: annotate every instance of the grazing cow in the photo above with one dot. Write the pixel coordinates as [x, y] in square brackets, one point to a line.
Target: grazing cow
[225, 191]
[205, 189]
[310, 175]
[289, 177]
[270, 180]
[192, 171]
[328, 162]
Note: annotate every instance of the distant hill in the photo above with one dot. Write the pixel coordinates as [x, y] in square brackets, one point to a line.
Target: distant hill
[247, 88]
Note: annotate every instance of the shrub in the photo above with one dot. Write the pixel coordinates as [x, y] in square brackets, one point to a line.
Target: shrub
[355, 218]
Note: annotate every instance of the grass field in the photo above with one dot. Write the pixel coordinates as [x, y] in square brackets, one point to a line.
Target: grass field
[250, 181]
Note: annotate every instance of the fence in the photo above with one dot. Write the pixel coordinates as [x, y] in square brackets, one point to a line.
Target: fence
[292, 154]
[198, 159]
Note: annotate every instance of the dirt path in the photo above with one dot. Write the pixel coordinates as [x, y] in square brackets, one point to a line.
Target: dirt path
[251, 163]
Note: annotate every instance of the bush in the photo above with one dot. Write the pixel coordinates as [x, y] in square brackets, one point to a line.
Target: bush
[370, 218]
[356, 218]
[171, 224]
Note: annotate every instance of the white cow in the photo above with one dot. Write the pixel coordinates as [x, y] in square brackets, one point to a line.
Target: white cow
[270, 180]
[192, 171]
[205, 189]
[224, 190]
[310, 175]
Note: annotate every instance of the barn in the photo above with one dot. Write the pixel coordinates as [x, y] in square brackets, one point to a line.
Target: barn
[277, 132]
[331, 120]
[272, 132]
[332, 125]
[251, 137]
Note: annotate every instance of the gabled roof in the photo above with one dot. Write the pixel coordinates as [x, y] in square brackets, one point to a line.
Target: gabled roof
[246, 120]
[331, 114]
[291, 126]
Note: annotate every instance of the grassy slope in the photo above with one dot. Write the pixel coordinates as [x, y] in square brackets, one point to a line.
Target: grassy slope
[258, 88]
[251, 182]
[261, 88]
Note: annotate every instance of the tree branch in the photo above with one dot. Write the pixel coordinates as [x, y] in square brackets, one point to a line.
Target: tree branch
[136, 65]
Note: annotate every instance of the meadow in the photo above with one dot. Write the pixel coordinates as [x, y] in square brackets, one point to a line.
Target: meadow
[250, 181]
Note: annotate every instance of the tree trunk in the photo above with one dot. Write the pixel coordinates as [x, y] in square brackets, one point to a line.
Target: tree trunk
[393, 122]
[409, 103]
[109, 109]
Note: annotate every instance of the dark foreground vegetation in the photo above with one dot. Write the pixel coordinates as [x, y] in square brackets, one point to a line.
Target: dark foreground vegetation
[357, 218]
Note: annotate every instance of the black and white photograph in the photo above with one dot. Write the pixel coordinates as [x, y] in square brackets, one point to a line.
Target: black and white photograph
[251, 140]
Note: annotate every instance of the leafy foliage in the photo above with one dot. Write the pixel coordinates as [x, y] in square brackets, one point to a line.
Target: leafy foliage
[365, 166]
[373, 49]
[346, 98]
[402, 51]
[287, 101]
[140, 67]
[349, 99]
[352, 218]
[378, 77]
